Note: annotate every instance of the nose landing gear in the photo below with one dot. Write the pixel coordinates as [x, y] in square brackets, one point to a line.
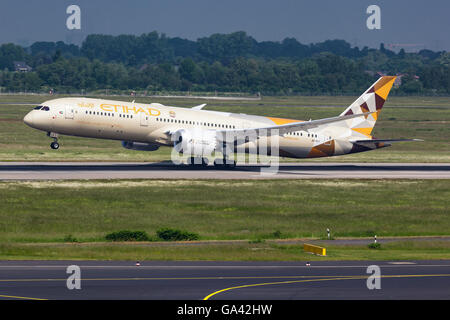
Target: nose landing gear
[54, 145]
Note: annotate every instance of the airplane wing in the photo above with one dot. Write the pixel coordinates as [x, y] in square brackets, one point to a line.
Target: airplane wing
[285, 128]
[199, 107]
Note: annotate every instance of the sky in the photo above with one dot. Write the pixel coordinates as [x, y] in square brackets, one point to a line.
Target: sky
[411, 24]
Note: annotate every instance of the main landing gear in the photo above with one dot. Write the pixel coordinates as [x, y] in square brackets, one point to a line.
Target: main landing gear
[224, 163]
[218, 163]
[198, 162]
[54, 145]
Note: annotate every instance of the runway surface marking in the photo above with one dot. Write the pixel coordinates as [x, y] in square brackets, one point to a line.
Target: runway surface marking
[227, 267]
[179, 278]
[317, 280]
[166, 170]
[304, 280]
[200, 280]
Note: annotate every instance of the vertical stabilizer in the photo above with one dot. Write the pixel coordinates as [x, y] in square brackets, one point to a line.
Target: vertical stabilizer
[370, 101]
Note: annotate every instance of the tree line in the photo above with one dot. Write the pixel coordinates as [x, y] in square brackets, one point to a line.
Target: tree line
[232, 62]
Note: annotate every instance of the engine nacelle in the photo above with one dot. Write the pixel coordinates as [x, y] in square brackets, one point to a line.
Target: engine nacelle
[139, 146]
[195, 142]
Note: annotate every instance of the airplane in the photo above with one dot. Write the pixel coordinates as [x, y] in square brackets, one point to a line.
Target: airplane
[199, 133]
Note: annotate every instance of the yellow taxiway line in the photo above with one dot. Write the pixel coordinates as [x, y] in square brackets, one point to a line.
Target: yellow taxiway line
[17, 297]
[303, 280]
[317, 280]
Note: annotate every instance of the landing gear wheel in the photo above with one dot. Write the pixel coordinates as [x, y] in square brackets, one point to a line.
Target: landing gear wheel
[219, 163]
[224, 163]
[231, 164]
[193, 161]
[54, 145]
[203, 162]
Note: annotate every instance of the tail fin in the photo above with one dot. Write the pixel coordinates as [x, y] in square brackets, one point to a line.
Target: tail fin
[370, 101]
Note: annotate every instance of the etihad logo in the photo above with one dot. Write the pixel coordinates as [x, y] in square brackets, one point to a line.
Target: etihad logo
[123, 109]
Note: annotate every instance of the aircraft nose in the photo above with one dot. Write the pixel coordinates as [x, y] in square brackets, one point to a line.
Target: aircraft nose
[28, 119]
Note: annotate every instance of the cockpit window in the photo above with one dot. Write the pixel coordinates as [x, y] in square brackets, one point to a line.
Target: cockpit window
[45, 109]
[37, 108]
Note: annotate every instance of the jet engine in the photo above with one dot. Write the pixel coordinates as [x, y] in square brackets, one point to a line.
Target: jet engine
[139, 146]
[195, 142]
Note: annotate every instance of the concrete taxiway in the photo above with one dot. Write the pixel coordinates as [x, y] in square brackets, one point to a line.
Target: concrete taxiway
[225, 280]
[167, 170]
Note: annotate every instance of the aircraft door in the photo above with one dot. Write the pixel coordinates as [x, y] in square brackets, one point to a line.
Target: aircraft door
[69, 112]
[144, 119]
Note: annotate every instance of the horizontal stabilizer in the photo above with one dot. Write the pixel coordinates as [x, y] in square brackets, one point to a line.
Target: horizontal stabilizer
[383, 141]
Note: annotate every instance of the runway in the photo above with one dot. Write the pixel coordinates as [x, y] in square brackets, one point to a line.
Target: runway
[167, 170]
[159, 280]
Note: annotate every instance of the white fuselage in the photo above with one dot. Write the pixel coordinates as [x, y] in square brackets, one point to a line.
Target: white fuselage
[151, 123]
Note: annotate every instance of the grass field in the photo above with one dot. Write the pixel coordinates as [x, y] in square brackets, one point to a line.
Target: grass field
[36, 217]
[45, 211]
[428, 120]
[241, 252]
